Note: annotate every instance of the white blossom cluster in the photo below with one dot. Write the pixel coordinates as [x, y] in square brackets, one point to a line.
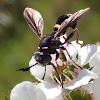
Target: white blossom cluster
[79, 72]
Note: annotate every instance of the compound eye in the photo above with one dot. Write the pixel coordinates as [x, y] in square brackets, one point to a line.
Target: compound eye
[44, 47]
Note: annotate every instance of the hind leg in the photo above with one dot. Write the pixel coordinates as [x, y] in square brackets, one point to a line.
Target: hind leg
[71, 35]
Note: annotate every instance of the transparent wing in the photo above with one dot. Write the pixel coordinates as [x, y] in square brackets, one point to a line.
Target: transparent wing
[78, 14]
[68, 22]
[34, 20]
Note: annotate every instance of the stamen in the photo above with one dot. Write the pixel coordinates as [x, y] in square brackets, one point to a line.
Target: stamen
[72, 74]
[65, 98]
[70, 97]
[67, 77]
[57, 80]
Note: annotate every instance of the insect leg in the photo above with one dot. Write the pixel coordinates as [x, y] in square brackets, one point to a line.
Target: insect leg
[77, 66]
[55, 70]
[60, 77]
[77, 41]
[57, 55]
[77, 36]
[65, 39]
[26, 69]
[71, 35]
[44, 73]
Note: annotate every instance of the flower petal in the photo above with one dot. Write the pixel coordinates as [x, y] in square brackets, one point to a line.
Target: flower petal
[37, 71]
[86, 53]
[73, 48]
[83, 79]
[95, 61]
[27, 91]
[51, 91]
[62, 39]
[32, 61]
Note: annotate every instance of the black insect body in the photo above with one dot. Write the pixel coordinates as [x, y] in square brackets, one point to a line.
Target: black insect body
[46, 47]
[50, 43]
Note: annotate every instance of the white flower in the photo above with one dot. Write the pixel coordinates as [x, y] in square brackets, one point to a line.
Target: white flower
[52, 87]
[83, 78]
[52, 91]
[95, 61]
[85, 54]
[79, 76]
[72, 48]
[43, 91]
[27, 91]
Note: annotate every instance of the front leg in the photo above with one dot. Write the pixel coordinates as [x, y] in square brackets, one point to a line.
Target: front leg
[57, 55]
[44, 73]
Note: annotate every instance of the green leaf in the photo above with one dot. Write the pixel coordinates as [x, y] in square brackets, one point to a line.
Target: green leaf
[87, 66]
[79, 95]
[77, 56]
[91, 68]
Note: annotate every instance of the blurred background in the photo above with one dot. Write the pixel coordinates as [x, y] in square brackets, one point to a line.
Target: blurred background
[18, 43]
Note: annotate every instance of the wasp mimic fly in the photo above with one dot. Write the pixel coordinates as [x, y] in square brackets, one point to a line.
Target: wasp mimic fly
[51, 42]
